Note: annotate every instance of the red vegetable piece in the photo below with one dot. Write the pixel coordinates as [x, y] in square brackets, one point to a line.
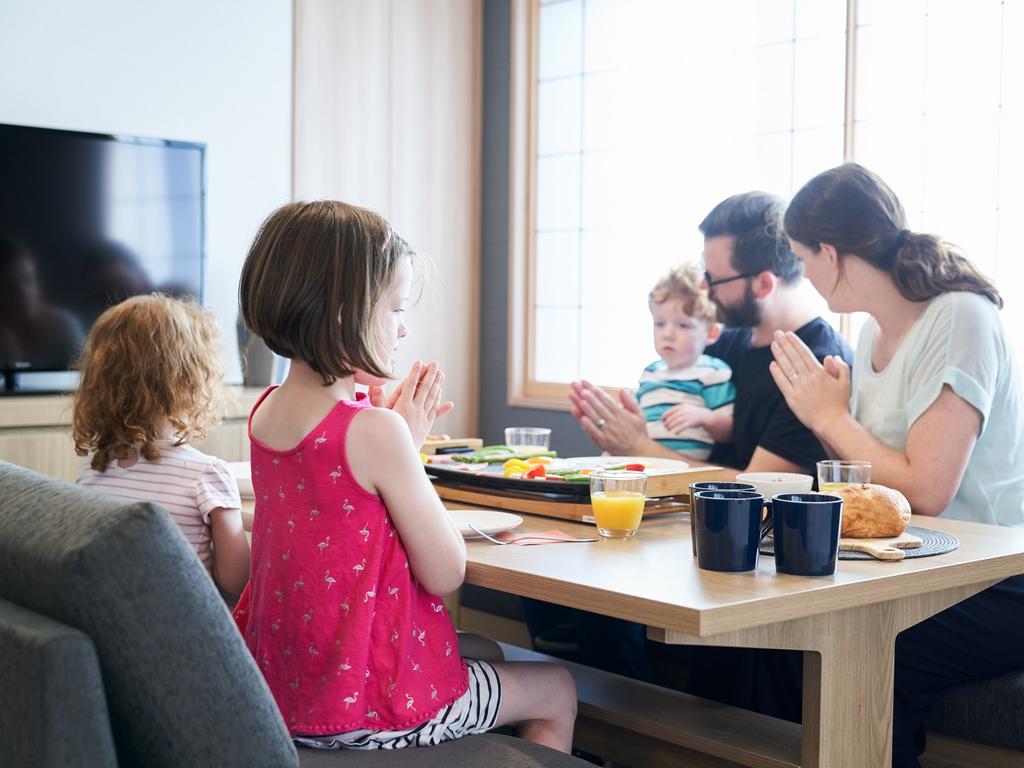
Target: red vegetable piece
[635, 467]
[537, 473]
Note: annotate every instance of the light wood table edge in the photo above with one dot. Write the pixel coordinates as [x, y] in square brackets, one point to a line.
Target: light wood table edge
[715, 621]
[711, 622]
[568, 593]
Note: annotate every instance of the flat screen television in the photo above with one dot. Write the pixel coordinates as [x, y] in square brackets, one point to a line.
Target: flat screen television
[87, 220]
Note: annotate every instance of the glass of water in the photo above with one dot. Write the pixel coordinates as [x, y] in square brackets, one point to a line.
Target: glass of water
[835, 473]
[528, 439]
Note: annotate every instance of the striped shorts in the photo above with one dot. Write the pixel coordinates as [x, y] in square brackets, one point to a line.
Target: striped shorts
[473, 712]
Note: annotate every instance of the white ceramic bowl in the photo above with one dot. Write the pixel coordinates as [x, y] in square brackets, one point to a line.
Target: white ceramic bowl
[770, 483]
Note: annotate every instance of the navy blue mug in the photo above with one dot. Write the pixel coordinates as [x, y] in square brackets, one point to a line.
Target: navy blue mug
[806, 528]
[712, 485]
[729, 529]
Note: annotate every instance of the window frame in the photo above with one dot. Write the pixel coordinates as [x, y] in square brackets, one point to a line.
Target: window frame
[524, 390]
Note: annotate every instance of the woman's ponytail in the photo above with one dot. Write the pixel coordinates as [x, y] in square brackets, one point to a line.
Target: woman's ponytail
[925, 267]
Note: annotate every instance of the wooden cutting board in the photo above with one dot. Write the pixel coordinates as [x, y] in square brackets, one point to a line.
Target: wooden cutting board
[883, 549]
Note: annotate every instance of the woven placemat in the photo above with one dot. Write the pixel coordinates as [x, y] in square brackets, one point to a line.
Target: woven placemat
[935, 543]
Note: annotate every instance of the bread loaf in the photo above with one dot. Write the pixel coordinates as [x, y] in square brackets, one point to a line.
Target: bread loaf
[873, 511]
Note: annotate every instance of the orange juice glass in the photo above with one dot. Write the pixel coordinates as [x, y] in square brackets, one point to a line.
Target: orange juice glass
[617, 498]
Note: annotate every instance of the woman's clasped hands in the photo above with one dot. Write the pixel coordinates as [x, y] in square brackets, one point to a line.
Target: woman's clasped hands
[817, 393]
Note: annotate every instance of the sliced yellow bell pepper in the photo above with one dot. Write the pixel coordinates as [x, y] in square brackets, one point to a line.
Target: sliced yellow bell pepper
[424, 458]
[512, 472]
[518, 463]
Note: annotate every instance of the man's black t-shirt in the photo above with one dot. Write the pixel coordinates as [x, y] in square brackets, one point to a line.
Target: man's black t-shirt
[760, 414]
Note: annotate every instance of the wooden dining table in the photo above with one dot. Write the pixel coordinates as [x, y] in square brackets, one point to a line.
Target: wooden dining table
[845, 624]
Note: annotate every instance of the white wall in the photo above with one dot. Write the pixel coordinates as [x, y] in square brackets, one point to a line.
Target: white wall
[212, 71]
[387, 115]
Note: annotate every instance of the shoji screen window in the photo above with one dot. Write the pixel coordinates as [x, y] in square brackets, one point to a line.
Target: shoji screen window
[940, 116]
[634, 120]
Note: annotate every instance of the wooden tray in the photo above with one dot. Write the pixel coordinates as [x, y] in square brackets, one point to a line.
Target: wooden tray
[665, 477]
[567, 501]
[430, 447]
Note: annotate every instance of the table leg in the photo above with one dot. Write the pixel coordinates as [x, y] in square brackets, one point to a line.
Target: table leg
[848, 682]
[848, 672]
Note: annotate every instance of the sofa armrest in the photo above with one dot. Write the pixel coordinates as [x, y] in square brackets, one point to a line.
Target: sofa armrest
[53, 711]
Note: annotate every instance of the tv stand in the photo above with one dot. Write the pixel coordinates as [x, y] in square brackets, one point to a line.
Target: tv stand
[18, 383]
[35, 432]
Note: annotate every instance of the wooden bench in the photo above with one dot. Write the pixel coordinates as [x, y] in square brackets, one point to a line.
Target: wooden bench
[632, 723]
[638, 724]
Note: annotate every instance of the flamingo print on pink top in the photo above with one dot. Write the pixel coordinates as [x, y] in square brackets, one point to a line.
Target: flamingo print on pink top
[369, 642]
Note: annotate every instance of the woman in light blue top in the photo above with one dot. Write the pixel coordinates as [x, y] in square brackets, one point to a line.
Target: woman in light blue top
[955, 348]
[935, 405]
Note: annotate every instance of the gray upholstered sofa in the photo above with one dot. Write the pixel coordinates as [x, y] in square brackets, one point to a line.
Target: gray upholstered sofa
[115, 649]
[987, 712]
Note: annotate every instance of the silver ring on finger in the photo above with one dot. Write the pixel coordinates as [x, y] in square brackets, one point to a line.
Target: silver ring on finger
[601, 422]
[795, 376]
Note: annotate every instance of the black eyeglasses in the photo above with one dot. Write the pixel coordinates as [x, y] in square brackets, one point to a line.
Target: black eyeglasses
[712, 283]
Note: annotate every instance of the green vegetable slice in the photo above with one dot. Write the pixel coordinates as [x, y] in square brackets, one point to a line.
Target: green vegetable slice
[496, 453]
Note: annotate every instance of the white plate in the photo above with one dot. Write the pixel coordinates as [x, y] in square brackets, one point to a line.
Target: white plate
[243, 476]
[652, 464]
[484, 520]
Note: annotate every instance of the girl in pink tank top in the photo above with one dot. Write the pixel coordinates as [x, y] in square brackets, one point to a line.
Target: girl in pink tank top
[351, 547]
[344, 619]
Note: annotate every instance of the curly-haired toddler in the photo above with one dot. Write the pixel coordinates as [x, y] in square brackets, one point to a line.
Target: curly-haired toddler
[151, 383]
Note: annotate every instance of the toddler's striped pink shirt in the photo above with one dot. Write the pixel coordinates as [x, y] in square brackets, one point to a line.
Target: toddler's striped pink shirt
[186, 482]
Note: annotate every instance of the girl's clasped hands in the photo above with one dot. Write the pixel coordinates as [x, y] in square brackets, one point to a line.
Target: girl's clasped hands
[417, 399]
